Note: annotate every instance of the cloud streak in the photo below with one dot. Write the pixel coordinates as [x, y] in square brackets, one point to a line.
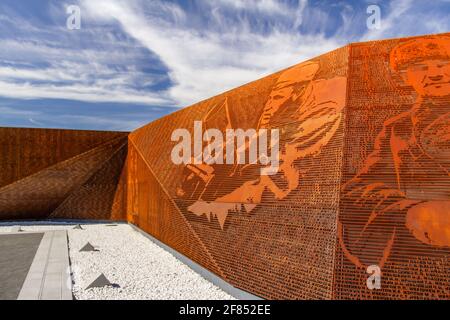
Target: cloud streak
[205, 62]
[98, 67]
[92, 93]
[172, 54]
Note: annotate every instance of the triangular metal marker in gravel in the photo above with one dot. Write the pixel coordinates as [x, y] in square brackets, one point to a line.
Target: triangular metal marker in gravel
[88, 248]
[102, 282]
[78, 226]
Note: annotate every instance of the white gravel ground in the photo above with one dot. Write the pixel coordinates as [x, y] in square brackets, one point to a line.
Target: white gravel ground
[140, 268]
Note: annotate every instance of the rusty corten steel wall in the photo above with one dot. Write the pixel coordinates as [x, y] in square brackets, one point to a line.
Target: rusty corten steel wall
[272, 236]
[364, 178]
[395, 194]
[51, 173]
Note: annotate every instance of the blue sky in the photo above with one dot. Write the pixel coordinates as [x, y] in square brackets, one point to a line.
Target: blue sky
[134, 61]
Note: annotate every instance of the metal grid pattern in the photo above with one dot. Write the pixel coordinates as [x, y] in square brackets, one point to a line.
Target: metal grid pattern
[395, 195]
[281, 242]
[50, 173]
[364, 177]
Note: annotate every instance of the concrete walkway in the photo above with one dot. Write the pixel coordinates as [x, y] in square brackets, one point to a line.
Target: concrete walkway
[17, 251]
[49, 275]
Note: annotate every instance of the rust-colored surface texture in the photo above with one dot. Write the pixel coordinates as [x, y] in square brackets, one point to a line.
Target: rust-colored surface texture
[47, 173]
[395, 193]
[363, 178]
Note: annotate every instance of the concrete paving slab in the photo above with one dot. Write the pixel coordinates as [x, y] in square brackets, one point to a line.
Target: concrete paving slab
[16, 256]
[47, 278]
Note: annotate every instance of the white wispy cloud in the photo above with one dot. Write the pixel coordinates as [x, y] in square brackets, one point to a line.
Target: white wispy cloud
[404, 18]
[37, 118]
[12, 112]
[205, 48]
[394, 17]
[116, 124]
[205, 62]
[48, 64]
[37, 123]
[89, 93]
[266, 6]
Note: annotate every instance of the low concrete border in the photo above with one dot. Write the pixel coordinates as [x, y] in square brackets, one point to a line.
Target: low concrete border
[205, 273]
[56, 222]
[49, 274]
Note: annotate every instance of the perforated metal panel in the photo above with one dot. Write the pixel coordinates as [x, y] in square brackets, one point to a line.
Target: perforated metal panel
[276, 242]
[395, 197]
[364, 179]
[50, 173]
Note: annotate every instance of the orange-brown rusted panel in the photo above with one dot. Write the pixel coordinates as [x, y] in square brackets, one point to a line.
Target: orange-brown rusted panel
[95, 197]
[395, 198]
[119, 204]
[274, 236]
[363, 180]
[151, 209]
[45, 169]
[25, 151]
